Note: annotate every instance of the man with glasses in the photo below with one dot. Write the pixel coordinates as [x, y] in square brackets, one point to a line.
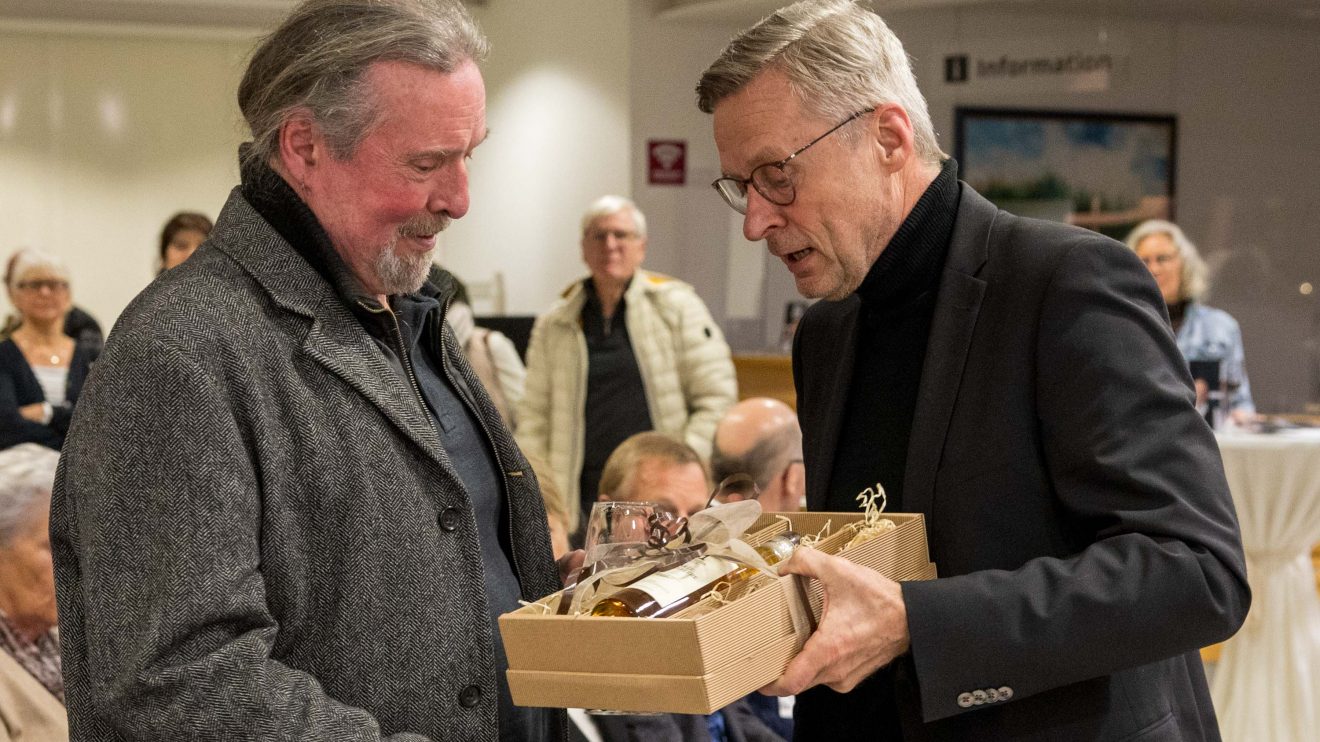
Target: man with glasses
[624, 350]
[1013, 380]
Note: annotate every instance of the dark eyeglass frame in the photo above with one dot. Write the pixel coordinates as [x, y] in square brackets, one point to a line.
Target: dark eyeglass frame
[734, 190]
[54, 285]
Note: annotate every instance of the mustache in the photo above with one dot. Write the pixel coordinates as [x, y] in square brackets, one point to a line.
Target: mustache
[424, 225]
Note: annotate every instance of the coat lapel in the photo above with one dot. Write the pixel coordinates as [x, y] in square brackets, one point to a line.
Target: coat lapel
[347, 352]
[336, 340]
[956, 308]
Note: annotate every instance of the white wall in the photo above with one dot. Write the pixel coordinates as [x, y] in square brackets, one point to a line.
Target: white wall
[102, 137]
[558, 110]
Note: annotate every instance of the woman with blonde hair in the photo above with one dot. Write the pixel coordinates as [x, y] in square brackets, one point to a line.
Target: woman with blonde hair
[1204, 333]
[42, 369]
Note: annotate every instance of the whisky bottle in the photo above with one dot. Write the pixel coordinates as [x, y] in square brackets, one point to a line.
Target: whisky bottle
[670, 591]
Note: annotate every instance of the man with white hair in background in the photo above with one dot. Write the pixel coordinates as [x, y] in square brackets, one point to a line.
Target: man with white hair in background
[287, 508]
[760, 437]
[622, 351]
[1013, 380]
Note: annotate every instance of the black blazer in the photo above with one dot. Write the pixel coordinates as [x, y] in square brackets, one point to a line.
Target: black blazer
[19, 387]
[1076, 503]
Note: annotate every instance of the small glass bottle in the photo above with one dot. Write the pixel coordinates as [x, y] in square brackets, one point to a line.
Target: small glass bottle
[670, 591]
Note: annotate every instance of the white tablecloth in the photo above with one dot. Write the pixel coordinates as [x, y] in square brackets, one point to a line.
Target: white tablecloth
[1266, 687]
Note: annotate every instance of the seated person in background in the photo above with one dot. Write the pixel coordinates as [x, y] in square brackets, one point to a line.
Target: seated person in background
[182, 235]
[42, 370]
[78, 324]
[1204, 333]
[760, 437]
[494, 358]
[654, 467]
[31, 687]
[624, 350]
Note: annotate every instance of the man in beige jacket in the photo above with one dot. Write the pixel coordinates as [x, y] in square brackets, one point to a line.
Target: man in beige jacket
[622, 351]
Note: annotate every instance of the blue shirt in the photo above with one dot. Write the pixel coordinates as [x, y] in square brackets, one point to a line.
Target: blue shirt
[1209, 334]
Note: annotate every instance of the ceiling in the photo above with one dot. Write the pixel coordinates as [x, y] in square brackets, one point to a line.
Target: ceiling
[264, 13]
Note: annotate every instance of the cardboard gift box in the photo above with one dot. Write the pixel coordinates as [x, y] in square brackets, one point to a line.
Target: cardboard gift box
[712, 653]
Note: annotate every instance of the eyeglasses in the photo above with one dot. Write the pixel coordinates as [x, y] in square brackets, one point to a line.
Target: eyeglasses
[620, 235]
[770, 180]
[54, 285]
[1161, 259]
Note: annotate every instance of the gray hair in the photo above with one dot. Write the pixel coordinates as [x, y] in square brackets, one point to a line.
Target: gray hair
[27, 474]
[318, 57]
[607, 205]
[1195, 274]
[29, 259]
[764, 460]
[839, 59]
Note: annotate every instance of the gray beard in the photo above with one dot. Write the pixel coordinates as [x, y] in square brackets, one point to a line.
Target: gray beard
[399, 274]
[405, 274]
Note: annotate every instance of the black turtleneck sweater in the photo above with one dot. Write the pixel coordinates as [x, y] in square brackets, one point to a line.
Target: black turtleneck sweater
[893, 329]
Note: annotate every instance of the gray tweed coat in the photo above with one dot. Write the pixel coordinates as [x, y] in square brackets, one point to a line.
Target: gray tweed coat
[246, 522]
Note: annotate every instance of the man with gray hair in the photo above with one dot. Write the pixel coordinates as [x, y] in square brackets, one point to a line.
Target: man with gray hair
[624, 350]
[760, 437]
[1013, 380]
[287, 508]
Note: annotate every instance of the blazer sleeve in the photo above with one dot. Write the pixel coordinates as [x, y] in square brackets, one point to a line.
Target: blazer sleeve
[156, 526]
[705, 369]
[1153, 563]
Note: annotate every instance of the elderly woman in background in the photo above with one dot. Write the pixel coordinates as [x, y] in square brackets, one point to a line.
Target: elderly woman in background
[182, 235]
[42, 369]
[31, 687]
[1204, 333]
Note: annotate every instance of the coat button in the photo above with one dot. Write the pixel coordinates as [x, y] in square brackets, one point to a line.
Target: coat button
[965, 700]
[979, 697]
[469, 696]
[991, 695]
[449, 519]
[1005, 693]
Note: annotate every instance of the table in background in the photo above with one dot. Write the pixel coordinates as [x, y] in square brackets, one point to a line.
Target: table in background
[1266, 685]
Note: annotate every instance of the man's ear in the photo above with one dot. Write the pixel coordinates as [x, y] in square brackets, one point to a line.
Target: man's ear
[891, 130]
[301, 146]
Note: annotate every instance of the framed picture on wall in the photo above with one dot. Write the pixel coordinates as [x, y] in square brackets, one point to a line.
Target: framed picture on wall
[1102, 171]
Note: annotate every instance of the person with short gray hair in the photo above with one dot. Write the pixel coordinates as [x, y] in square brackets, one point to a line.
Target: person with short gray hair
[31, 687]
[622, 351]
[1012, 380]
[289, 508]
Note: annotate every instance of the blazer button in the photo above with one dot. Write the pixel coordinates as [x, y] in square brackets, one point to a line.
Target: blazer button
[979, 697]
[1005, 693]
[991, 695]
[965, 700]
[449, 519]
[469, 696]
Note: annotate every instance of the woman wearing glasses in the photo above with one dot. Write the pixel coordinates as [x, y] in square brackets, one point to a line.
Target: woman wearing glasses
[1204, 333]
[41, 368]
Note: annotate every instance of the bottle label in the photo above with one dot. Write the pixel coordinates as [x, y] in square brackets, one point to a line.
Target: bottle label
[671, 584]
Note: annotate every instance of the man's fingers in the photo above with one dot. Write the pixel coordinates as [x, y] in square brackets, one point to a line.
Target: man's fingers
[569, 564]
[808, 563]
